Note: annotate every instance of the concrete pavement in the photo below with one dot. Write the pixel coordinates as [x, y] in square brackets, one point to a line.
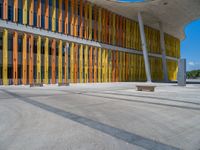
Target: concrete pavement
[99, 117]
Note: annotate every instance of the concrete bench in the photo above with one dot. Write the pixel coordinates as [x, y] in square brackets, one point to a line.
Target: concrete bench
[63, 84]
[36, 85]
[148, 88]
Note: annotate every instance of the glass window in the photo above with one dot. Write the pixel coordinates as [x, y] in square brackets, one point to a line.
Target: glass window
[1, 10]
[19, 43]
[35, 19]
[35, 46]
[10, 42]
[10, 13]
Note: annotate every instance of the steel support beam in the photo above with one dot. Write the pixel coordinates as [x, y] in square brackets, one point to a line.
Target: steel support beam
[144, 47]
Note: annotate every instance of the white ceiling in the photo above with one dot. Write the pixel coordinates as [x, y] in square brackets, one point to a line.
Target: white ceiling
[174, 14]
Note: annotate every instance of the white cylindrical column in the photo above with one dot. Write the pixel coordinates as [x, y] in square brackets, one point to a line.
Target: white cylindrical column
[144, 47]
[163, 49]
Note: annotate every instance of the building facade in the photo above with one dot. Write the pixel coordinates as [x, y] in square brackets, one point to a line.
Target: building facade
[76, 41]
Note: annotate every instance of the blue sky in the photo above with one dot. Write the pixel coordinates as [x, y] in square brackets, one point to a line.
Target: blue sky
[190, 46]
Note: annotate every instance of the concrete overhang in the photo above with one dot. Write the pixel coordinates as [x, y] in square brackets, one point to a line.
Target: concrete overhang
[173, 14]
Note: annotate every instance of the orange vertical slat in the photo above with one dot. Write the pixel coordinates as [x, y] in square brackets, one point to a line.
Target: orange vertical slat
[117, 30]
[72, 18]
[76, 18]
[39, 13]
[90, 65]
[15, 7]
[95, 23]
[66, 17]
[5, 9]
[46, 26]
[53, 61]
[31, 58]
[95, 38]
[24, 60]
[107, 27]
[121, 32]
[81, 19]
[15, 58]
[76, 45]
[103, 26]
[81, 36]
[86, 20]
[31, 12]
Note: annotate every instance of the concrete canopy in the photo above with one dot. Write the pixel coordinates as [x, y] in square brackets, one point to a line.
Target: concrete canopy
[173, 14]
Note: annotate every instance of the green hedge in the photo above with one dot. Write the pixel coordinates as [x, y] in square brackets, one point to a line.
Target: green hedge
[193, 74]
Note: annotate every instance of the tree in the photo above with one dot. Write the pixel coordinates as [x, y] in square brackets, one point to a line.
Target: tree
[193, 74]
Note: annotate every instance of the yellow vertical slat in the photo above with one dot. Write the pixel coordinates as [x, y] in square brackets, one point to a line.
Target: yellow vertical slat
[109, 66]
[25, 12]
[53, 15]
[5, 57]
[135, 67]
[103, 65]
[46, 61]
[66, 62]
[132, 67]
[81, 63]
[99, 50]
[140, 72]
[60, 16]
[129, 67]
[176, 70]
[120, 67]
[38, 60]
[60, 47]
[72, 62]
[139, 67]
[124, 66]
[99, 65]
[113, 40]
[86, 64]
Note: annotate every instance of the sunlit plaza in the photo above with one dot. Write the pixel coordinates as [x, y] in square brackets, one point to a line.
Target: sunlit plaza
[99, 75]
